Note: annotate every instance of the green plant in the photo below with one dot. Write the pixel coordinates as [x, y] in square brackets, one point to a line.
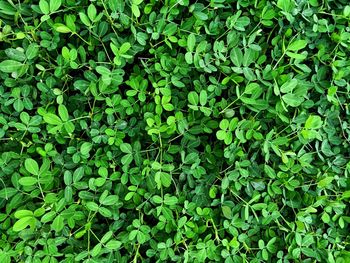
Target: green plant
[174, 131]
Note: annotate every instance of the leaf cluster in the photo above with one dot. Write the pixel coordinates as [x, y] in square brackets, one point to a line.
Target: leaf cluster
[174, 131]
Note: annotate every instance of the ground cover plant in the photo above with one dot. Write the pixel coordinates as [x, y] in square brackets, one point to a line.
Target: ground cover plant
[174, 131]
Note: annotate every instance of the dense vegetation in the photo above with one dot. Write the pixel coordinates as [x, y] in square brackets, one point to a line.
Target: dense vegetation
[174, 131]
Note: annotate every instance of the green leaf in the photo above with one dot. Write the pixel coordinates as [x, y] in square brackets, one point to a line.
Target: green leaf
[226, 212]
[23, 223]
[224, 124]
[127, 159]
[297, 45]
[31, 166]
[313, 122]
[85, 148]
[124, 48]
[23, 213]
[289, 86]
[193, 98]
[9, 66]
[44, 6]
[63, 112]
[135, 10]
[200, 15]
[137, 2]
[85, 19]
[236, 56]
[126, 148]
[269, 171]
[106, 237]
[92, 12]
[163, 179]
[103, 70]
[32, 51]
[61, 28]
[69, 127]
[92, 206]
[27, 181]
[221, 135]
[113, 245]
[168, 107]
[105, 212]
[292, 100]
[15, 54]
[78, 174]
[296, 55]
[191, 42]
[170, 29]
[285, 5]
[129, 196]
[170, 200]
[7, 192]
[57, 224]
[55, 5]
[248, 57]
[203, 97]
[52, 119]
[110, 200]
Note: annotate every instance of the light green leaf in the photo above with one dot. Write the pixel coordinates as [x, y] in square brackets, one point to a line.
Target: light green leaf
[27, 181]
[103, 70]
[165, 178]
[193, 98]
[127, 159]
[44, 6]
[226, 212]
[313, 122]
[189, 58]
[57, 224]
[203, 97]
[23, 213]
[135, 10]
[221, 135]
[325, 182]
[63, 112]
[85, 148]
[113, 244]
[286, 5]
[61, 28]
[296, 55]
[32, 51]
[224, 124]
[23, 223]
[31, 166]
[292, 100]
[91, 12]
[137, 2]
[248, 57]
[9, 66]
[84, 18]
[236, 56]
[297, 45]
[124, 48]
[52, 119]
[289, 86]
[7, 192]
[106, 237]
[126, 148]
[92, 206]
[191, 42]
[55, 5]
[269, 171]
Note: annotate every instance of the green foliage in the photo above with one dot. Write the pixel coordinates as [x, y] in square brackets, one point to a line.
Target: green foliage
[174, 131]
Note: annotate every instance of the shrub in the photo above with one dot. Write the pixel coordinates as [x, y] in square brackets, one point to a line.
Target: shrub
[174, 131]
